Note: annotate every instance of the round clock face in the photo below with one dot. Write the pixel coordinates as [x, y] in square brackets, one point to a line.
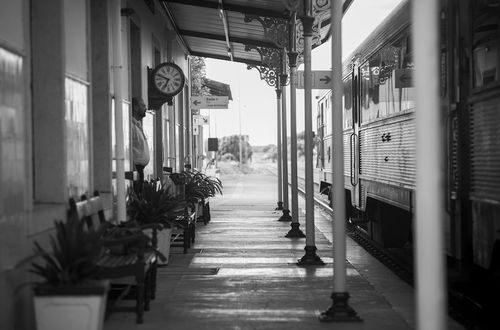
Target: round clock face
[168, 79]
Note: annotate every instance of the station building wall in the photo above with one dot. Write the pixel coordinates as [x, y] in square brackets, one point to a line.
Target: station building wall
[56, 119]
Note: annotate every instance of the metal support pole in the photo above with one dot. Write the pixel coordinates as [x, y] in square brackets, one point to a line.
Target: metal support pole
[181, 136]
[340, 309]
[284, 142]
[430, 262]
[310, 258]
[189, 134]
[292, 57]
[171, 138]
[295, 230]
[119, 147]
[278, 122]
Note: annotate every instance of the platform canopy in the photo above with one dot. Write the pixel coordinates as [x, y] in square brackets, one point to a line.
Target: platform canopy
[246, 31]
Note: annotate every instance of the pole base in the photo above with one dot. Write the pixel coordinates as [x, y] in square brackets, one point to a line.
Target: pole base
[280, 206]
[340, 310]
[286, 216]
[310, 258]
[295, 231]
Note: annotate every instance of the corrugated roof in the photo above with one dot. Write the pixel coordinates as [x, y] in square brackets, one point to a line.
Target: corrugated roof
[223, 29]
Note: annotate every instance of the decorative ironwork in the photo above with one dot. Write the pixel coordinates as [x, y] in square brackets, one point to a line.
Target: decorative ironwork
[275, 29]
[316, 34]
[300, 60]
[268, 75]
[284, 80]
[319, 6]
[292, 5]
[321, 9]
[269, 56]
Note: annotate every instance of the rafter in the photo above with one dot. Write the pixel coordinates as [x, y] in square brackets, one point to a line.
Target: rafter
[204, 35]
[223, 57]
[231, 7]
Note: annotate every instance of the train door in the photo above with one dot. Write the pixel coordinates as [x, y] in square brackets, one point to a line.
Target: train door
[351, 137]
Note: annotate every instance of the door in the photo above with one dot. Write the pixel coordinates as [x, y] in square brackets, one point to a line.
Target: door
[350, 102]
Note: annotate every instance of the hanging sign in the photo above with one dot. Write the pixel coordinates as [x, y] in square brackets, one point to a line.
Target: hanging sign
[209, 102]
[201, 120]
[319, 79]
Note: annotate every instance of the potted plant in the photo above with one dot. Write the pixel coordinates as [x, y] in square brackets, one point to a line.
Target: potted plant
[198, 188]
[70, 295]
[153, 210]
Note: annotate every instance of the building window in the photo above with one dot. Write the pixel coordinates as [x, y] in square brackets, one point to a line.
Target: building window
[77, 137]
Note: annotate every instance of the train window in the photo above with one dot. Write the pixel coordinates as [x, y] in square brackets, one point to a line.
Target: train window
[386, 81]
[327, 121]
[347, 102]
[369, 89]
[486, 55]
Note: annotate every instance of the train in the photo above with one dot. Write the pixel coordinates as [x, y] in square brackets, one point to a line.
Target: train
[379, 133]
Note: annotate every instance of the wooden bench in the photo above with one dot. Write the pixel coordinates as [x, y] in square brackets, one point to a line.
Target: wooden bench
[184, 230]
[203, 212]
[133, 272]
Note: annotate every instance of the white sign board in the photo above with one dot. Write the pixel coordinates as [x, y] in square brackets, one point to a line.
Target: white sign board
[209, 102]
[201, 120]
[196, 130]
[319, 79]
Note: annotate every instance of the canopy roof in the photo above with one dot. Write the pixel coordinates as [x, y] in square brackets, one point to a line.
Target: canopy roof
[239, 30]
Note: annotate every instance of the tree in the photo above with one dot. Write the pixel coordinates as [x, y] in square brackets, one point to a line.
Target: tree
[198, 73]
[231, 145]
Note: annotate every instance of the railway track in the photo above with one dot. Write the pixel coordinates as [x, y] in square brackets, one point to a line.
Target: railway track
[462, 307]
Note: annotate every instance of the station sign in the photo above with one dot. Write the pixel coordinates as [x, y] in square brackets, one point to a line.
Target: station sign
[201, 120]
[213, 144]
[209, 102]
[319, 80]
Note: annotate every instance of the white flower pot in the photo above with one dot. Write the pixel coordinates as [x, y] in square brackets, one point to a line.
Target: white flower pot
[164, 237]
[75, 310]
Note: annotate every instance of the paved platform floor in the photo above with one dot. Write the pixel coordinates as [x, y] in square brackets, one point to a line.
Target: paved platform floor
[241, 274]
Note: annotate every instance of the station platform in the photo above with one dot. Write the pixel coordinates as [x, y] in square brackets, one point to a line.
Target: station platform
[241, 273]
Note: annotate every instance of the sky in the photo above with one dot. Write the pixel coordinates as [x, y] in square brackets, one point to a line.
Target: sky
[252, 111]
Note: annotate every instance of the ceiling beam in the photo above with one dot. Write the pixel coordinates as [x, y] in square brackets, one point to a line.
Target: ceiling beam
[226, 58]
[244, 41]
[176, 28]
[230, 7]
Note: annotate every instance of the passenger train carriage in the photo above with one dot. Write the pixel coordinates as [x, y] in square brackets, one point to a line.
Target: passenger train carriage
[379, 135]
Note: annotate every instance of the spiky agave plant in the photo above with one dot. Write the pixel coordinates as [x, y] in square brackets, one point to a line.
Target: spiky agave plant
[153, 205]
[72, 258]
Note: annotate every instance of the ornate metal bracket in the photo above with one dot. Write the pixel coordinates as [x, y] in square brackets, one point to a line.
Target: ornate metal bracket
[272, 58]
[320, 11]
[316, 37]
[297, 5]
[269, 56]
[270, 76]
[275, 29]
